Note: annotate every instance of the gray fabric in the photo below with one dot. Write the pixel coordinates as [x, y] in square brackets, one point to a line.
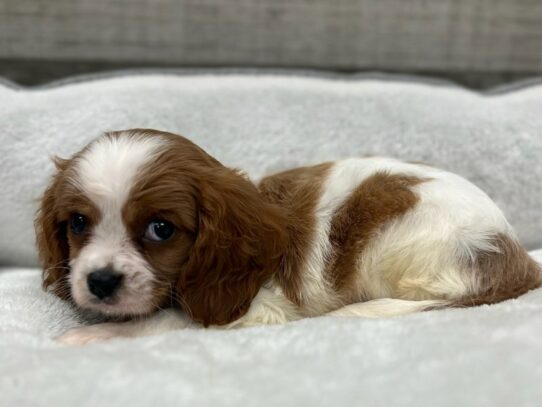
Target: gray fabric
[488, 356]
[264, 123]
[444, 35]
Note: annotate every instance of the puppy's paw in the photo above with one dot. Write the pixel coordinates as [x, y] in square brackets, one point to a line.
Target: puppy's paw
[89, 334]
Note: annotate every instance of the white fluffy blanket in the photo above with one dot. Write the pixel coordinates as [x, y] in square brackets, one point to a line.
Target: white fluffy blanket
[486, 356]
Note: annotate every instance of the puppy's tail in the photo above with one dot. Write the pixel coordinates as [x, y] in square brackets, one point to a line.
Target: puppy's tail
[388, 307]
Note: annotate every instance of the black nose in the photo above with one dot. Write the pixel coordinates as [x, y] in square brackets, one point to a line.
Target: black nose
[103, 282]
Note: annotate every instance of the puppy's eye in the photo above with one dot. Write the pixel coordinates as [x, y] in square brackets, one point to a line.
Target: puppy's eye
[159, 230]
[78, 223]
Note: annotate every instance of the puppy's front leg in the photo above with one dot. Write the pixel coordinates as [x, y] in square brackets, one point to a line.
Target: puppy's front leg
[269, 307]
[160, 322]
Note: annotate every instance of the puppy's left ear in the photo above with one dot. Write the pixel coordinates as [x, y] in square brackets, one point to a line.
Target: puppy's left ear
[238, 246]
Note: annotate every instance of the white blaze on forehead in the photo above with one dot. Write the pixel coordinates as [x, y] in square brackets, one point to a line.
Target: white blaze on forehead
[109, 167]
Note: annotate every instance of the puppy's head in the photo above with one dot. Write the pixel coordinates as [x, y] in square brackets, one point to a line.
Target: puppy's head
[140, 220]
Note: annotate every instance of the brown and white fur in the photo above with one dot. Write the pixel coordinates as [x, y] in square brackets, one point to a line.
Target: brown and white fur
[363, 237]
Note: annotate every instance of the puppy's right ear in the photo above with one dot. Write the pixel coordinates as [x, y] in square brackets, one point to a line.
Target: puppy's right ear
[51, 237]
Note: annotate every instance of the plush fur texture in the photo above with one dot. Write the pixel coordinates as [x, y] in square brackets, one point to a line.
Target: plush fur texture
[374, 228]
[267, 123]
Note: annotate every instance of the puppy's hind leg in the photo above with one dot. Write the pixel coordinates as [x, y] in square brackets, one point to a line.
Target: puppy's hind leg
[387, 307]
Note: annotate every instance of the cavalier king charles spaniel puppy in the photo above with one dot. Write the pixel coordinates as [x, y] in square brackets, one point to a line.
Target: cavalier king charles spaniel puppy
[146, 228]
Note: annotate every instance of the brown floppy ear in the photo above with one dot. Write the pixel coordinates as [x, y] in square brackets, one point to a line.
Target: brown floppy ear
[238, 247]
[52, 239]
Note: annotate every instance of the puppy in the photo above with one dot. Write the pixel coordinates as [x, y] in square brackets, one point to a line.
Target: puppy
[141, 221]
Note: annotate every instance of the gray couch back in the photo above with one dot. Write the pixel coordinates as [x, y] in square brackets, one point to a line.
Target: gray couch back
[478, 42]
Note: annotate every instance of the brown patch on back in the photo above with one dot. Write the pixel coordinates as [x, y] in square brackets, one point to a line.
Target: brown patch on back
[298, 191]
[379, 199]
[505, 274]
